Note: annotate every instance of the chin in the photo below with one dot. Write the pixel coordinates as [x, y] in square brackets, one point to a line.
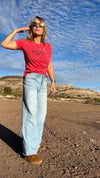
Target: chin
[37, 33]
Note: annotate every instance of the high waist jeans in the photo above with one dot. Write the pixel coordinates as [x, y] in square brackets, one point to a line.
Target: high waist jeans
[34, 111]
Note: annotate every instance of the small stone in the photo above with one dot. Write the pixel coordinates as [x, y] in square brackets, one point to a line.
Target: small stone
[9, 168]
[84, 132]
[91, 140]
[98, 122]
[26, 171]
[68, 172]
[73, 166]
[76, 167]
[76, 145]
[96, 148]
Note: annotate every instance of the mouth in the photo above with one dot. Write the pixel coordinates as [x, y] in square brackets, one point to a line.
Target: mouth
[37, 30]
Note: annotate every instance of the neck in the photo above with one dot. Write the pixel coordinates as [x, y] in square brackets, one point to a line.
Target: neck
[37, 39]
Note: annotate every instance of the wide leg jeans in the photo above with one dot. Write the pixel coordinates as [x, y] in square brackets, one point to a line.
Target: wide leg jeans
[34, 111]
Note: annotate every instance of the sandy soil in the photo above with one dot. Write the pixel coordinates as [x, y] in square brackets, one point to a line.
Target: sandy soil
[71, 136]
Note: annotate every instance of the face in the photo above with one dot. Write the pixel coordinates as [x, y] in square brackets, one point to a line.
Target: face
[37, 28]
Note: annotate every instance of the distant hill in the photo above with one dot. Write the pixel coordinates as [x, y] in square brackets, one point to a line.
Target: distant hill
[63, 92]
[15, 82]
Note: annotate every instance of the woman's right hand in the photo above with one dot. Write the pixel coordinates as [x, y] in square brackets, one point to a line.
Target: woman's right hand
[22, 29]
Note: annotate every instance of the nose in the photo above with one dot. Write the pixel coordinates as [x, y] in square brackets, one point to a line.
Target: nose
[37, 25]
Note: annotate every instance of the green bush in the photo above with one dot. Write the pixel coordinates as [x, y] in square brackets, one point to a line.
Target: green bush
[93, 100]
[18, 94]
[7, 90]
[97, 100]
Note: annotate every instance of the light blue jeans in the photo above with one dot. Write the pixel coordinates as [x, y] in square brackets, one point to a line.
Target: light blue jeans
[34, 111]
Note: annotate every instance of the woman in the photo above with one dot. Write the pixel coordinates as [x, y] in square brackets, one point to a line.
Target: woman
[37, 54]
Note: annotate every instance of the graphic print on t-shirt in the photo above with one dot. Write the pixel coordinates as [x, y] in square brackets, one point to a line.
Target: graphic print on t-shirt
[40, 52]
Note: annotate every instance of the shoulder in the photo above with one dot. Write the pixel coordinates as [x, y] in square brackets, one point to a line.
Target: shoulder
[48, 45]
[20, 41]
[23, 41]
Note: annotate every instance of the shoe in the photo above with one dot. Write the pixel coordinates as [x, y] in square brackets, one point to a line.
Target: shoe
[34, 159]
[41, 148]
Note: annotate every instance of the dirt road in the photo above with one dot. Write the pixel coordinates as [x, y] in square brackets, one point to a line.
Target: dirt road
[71, 136]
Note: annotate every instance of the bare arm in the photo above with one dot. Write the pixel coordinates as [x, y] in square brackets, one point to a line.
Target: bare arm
[8, 43]
[51, 76]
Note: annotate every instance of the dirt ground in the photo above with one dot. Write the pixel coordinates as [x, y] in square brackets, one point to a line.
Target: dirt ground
[71, 137]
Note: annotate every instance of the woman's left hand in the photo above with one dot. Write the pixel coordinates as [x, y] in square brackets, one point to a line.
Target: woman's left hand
[52, 88]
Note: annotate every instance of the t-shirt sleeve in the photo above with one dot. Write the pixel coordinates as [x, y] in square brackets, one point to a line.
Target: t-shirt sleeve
[20, 44]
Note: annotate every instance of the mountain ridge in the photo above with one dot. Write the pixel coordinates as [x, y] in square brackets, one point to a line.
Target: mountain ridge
[62, 91]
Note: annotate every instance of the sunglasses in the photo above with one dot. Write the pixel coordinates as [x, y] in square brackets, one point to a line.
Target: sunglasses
[35, 24]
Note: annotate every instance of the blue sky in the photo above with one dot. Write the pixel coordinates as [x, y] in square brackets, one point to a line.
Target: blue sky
[73, 29]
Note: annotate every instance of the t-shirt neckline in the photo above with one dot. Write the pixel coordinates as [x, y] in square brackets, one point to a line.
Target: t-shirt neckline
[37, 43]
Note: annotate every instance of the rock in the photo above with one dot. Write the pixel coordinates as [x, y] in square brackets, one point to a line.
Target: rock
[9, 168]
[68, 172]
[91, 140]
[84, 132]
[98, 122]
[76, 167]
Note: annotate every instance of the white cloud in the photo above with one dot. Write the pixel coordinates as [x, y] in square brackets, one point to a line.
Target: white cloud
[76, 72]
[77, 76]
[66, 65]
[10, 60]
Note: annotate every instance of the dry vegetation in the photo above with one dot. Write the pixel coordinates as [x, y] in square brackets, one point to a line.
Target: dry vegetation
[63, 92]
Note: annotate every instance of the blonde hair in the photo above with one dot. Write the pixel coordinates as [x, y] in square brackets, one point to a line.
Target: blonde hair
[30, 35]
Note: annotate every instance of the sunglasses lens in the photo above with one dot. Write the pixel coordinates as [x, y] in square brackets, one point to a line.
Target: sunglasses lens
[40, 26]
[35, 24]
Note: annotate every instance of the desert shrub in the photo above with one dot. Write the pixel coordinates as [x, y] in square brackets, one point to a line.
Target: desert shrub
[56, 96]
[87, 98]
[18, 94]
[78, 96]
[68, 96]
[94, 100]
[97, 100]
[71, 97]
[7, 90]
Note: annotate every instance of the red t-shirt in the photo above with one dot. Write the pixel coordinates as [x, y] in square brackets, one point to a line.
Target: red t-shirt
[37, 56]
